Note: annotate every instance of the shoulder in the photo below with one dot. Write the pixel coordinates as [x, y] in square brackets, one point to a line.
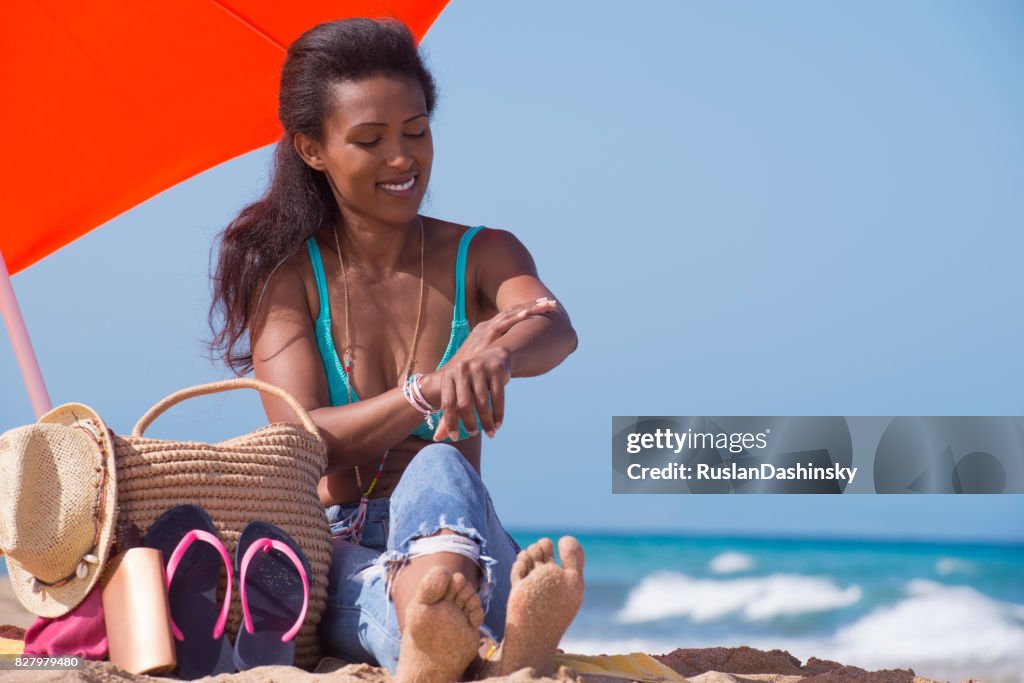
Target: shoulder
[295, 273]
[290, 286]
[499, 252]
[489, 246]
[485, 239]
[502, 269]
[497, 240]
[494, 255]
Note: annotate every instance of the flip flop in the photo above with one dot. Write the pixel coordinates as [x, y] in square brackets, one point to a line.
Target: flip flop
[193, 575]
[273, 579]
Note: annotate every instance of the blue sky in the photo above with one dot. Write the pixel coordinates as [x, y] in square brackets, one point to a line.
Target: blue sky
[785, 208]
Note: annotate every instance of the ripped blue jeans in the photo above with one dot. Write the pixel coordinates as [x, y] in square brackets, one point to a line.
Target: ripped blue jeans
[438, 490]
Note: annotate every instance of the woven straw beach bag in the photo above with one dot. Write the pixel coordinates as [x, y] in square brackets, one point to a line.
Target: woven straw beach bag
[270, 474]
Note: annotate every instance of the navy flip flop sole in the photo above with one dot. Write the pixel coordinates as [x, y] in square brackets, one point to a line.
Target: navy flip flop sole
[192, 594]
[274, 593]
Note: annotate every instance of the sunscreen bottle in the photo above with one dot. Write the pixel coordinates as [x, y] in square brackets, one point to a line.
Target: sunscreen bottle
[135, 608]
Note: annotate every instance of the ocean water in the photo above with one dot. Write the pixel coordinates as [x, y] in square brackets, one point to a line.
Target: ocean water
[949, 611]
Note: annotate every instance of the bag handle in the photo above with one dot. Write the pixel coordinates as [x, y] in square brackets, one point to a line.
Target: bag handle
[226, 385]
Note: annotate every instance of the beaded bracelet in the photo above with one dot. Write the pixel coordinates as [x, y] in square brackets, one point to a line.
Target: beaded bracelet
[413, 393]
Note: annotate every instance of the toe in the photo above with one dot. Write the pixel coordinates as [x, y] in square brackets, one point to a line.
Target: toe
[475, 614]
[542, 551]
[464, 594]
[458, 582]
[571, 553]
[434, 585]
[524, 558]
[536, 553]
[519, 570]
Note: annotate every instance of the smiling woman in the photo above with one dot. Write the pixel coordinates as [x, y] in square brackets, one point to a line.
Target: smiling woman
[367, 157]
[425, 581]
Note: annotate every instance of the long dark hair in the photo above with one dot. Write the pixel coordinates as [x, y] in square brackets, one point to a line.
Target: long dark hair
[299, 202]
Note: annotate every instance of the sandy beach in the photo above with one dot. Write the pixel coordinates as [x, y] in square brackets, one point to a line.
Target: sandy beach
[768, 666]
[704, 665]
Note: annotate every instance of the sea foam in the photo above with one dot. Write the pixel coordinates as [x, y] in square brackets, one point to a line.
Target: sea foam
[935, 623]
[669, 594]
[941, 631]
[952, 565]
[730, 563]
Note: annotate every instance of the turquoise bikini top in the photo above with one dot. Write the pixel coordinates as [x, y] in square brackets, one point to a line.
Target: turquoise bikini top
[337, 380]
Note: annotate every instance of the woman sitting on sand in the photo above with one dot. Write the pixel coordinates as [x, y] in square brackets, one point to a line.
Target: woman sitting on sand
[346, 292]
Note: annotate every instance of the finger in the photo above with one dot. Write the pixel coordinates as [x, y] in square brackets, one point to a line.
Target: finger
[465, 402]
[541, 305]
[439, 432]
[487, 332]
[449, 415]
[503, 321]
[497, 402]
[481, 398]
[508, 318]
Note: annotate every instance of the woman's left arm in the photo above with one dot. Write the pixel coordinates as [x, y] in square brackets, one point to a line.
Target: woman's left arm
[507, 277]
[529, 335]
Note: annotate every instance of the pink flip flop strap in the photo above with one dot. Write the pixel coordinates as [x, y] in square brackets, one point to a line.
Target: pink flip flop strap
[266, 544]
[172, 566]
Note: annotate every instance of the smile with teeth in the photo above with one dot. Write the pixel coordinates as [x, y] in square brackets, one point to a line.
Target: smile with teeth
[399, 187]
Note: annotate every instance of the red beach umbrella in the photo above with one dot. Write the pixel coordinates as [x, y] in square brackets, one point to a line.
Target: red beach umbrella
[109, 102]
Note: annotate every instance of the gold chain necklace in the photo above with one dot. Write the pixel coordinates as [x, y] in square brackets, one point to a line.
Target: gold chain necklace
[349, 357]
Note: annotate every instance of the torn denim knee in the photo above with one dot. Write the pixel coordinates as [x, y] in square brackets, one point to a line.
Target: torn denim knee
[427, 540]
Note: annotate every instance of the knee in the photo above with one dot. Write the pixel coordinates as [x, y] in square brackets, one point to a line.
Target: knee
[438, 461]
[438, 467]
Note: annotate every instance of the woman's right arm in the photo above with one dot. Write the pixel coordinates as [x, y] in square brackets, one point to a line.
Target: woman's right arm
[284, 352]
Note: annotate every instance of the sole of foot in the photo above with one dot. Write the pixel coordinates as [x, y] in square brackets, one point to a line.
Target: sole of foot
[442, 629]
[543, 602]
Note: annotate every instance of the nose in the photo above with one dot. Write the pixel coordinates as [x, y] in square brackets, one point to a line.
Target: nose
[400, 156]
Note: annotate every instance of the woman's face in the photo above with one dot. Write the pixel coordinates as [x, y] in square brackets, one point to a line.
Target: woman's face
[377, 148]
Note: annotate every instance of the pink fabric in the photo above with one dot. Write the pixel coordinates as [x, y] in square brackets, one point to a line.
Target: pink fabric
[80, 632]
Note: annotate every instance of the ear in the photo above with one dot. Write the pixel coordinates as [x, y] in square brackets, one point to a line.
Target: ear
[309, 151]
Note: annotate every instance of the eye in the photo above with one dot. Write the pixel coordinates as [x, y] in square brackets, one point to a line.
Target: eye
[416, 135]
[368, 143]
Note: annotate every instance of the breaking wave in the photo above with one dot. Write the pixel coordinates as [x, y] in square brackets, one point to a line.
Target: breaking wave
[669, 594]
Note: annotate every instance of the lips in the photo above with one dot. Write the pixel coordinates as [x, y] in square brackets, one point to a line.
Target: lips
[401, 187]
[400, 184]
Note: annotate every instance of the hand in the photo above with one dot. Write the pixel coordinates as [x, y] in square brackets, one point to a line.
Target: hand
[475, 377]
[488, 331]
[476, 383]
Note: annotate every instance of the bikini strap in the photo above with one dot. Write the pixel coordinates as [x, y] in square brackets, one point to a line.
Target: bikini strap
[460, 275]
[321, 278]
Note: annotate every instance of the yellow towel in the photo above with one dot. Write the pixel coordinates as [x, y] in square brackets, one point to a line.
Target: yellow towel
[636, 666]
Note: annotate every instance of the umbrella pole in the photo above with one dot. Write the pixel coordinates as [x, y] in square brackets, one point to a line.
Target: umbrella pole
[23, 351]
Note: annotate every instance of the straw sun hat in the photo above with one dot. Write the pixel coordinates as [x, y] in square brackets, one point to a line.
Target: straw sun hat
[58, 497]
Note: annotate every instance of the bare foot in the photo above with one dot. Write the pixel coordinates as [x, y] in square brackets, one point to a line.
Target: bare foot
[442, 629]
[542, 604]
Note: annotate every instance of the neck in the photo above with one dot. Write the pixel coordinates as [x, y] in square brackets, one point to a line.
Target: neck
[377, 248]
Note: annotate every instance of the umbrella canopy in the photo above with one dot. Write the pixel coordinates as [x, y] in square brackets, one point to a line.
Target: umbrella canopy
[107, 103]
